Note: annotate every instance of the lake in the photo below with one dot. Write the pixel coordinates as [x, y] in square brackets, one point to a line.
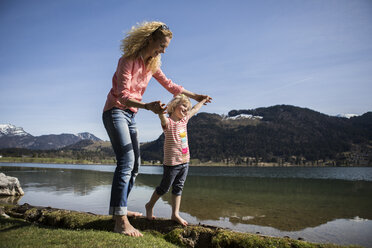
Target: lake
[327, 205]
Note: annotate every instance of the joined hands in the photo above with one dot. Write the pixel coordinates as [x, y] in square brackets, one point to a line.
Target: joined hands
[200, 98]
[157, 107]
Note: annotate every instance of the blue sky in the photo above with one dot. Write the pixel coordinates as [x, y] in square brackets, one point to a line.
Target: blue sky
[57, 58]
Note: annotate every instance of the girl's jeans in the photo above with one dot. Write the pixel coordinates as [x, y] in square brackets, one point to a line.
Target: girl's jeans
[174, 176]
[122, 130]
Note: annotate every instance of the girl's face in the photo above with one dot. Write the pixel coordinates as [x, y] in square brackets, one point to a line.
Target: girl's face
[157, 47]
[181, 110]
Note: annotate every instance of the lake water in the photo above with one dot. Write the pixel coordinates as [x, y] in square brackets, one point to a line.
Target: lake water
[327, 205]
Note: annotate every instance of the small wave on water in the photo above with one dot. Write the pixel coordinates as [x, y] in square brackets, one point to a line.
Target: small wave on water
[339, 173]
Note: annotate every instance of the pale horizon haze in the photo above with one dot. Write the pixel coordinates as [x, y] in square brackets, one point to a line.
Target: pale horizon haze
[57, 58]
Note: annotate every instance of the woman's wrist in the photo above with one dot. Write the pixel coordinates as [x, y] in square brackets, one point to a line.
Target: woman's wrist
[188, 93]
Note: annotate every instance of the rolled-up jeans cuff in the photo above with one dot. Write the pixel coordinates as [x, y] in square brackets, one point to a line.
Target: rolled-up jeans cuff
[118, 211]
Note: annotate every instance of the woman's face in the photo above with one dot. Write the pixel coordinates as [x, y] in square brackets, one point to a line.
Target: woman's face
[157, 47]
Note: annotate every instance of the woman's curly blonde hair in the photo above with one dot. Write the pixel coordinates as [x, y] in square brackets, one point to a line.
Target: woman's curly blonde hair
[138, 38]
[177, 100]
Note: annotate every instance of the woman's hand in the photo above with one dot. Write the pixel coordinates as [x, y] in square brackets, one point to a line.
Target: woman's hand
[200, 98]
[197, 97]
[157, 107]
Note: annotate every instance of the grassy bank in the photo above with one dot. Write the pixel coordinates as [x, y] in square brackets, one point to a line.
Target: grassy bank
[46, 227]
[101, 162]
[193, 162]
[62, 161]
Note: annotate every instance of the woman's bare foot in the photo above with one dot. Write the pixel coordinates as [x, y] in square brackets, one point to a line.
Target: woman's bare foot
[149, 212]
[133, 214]
[123, 226]
[179, 220]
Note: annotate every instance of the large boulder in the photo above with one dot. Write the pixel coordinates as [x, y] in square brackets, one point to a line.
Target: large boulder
[10, 185]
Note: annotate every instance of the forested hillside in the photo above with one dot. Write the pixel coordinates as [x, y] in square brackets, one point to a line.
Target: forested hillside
[276, 134]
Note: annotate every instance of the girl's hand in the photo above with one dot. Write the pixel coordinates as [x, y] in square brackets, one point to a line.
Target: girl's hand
[157, 107]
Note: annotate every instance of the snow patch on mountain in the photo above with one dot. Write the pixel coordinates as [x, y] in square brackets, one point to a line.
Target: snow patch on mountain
[11, 130]
[243, 116]
[87, 136]
[348, 116]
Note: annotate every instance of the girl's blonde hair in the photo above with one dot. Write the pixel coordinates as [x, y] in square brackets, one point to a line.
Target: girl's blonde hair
[138, 38]
[177, 100]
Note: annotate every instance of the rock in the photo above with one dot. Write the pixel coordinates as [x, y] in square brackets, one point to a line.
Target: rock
[10, 185]
[3, 214]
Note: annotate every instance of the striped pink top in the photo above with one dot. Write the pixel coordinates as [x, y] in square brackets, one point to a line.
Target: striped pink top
[130, 82]
[176, 148]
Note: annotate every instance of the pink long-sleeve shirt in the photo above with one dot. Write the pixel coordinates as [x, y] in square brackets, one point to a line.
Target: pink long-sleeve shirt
[130, 81]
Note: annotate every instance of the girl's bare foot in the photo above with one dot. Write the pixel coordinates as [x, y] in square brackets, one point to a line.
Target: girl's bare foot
[123, 226]
[149, 212]
[179, 220]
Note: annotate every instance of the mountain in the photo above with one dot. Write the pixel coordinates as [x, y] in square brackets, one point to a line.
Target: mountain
[15, 137]
[11, 130]
[278, 134]
[281, 134]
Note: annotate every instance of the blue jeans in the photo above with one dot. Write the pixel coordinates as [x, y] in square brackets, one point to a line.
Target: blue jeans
[122, 130]
[174, 176]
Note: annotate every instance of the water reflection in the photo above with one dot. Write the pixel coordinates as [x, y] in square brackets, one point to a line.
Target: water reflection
[13, 199]
[317, 209]
[285, 204]
[81, 182]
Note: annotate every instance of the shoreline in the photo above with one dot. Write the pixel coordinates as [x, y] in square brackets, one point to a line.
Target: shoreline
[205, 164]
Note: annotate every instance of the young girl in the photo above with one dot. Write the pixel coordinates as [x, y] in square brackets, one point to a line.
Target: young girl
[176, 153]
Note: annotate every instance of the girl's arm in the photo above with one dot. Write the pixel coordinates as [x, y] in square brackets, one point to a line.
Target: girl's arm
[163, 120]
[197, 106]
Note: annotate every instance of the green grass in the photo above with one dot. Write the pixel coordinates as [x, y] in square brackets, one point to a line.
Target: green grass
[18, 233]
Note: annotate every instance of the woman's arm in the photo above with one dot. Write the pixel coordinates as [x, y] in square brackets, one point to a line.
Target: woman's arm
[177, 89]
[173, 88]
[197, 97]
[157, 107]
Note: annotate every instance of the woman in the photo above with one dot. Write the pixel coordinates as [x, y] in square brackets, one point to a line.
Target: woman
[142, 48]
